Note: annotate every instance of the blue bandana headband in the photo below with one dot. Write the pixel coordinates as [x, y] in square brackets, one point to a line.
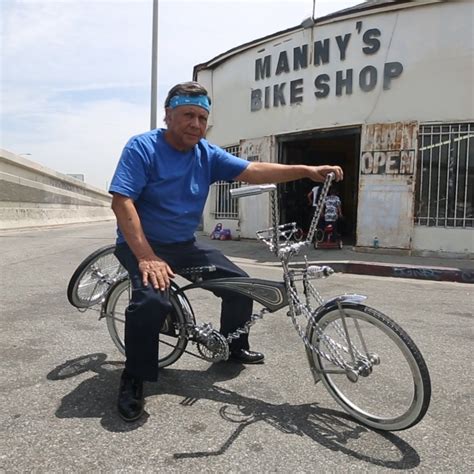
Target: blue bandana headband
[198, 100]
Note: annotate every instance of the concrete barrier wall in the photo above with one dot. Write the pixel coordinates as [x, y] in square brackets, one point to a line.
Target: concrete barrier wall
[32, 195]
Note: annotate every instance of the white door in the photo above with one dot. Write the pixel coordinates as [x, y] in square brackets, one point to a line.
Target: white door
[386, 185]
[254, 211]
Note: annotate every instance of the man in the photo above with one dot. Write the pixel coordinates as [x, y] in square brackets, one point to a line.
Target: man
[159, 190]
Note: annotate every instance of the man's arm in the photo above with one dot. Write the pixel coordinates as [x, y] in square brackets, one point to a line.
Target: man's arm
[261, 173]
[152, 268]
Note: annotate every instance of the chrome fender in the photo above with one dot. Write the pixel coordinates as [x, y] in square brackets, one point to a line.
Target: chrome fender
[329, 304]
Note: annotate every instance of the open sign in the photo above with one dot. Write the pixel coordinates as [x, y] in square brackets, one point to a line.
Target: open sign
[388, 162]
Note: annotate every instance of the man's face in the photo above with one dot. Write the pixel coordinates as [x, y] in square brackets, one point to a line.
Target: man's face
[186, 126]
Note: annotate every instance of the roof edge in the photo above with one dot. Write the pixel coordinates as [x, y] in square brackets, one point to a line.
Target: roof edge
[242, 47]
[369, 6]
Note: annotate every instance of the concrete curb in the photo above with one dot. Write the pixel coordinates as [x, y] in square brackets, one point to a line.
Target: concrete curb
[393, 264]
[418, 272]
[394, 270]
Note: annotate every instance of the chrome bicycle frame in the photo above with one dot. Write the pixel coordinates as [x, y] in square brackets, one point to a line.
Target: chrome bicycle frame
[278, 239]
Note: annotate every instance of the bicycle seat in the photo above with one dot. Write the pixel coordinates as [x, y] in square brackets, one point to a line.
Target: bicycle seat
[194, 272]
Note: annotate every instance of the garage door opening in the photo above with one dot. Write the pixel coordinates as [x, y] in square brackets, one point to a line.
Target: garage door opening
[334, 147]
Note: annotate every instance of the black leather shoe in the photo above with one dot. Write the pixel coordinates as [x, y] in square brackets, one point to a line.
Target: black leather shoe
[130, 399]
[246, 357]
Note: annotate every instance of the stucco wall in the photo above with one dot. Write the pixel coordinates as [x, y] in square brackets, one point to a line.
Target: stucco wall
[433, 43]
[408, 63]
[441, 240]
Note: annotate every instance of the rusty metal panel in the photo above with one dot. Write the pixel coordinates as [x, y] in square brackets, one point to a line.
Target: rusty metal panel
[254, 212]
[390, 136]
[386, 184]
[257, 149]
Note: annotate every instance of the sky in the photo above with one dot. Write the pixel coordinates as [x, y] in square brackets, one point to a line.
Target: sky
[75, 76]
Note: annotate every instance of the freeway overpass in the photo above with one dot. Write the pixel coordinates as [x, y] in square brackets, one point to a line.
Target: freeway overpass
[33, 195]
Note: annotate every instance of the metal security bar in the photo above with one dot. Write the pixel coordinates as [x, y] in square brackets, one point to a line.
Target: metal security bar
[224, 206]
[445, 176]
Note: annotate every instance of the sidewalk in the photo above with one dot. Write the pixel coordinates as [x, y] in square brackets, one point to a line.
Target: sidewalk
[347, 260]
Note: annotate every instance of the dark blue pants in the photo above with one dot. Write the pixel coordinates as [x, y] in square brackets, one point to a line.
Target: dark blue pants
[148, 307]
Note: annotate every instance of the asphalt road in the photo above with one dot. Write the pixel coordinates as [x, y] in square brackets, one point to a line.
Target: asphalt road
[60, 373]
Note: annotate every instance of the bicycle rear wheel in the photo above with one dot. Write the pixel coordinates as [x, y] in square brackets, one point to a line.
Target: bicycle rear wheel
[93, 277]
[390, 388]
[173, 337]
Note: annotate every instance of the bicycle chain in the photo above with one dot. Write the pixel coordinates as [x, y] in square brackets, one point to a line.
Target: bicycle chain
[246, 328]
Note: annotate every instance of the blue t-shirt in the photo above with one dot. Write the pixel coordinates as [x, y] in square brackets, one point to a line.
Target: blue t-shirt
[170, 187]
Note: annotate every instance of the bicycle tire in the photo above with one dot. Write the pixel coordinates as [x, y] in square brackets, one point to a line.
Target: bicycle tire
[408, 402]
[173, 333]
[93, 277]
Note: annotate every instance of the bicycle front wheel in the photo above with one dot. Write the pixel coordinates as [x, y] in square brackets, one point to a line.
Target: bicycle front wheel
[173, 337]
[93, 277]
[385, 383]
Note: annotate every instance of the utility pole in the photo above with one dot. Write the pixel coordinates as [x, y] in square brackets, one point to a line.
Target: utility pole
[154, 66]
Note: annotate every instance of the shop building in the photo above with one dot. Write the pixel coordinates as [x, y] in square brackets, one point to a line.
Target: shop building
[384, 89]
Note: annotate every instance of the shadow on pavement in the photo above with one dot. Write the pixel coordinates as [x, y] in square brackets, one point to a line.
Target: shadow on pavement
[96, 398]
[330, 428]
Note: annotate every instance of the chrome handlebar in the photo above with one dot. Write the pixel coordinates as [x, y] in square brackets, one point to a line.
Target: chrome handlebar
[272, 236]
[253, 190]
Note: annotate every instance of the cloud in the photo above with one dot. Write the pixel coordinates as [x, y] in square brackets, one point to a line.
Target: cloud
[75, 75]
[88, 140]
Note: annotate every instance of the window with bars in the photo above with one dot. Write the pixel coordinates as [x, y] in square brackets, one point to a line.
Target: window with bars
[445, 176]
[224, 206]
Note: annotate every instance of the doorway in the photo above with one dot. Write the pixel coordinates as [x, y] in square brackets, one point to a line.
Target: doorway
[333, 147]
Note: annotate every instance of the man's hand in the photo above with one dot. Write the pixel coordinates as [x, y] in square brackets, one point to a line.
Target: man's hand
[319, 173]
[155, 271]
